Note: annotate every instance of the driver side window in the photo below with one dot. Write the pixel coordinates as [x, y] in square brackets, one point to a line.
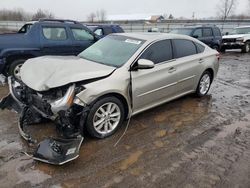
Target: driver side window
[159, 52]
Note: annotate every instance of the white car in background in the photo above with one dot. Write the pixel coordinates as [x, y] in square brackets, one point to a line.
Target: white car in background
[239, 38]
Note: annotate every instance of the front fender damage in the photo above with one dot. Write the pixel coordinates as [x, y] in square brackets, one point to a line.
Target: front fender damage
[55, 151]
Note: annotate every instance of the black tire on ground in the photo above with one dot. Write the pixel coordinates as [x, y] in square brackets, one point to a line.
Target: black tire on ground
[246, 48]
[216, 47]
[198, 92]
[12, 70]
[222, 50]
[90, 119]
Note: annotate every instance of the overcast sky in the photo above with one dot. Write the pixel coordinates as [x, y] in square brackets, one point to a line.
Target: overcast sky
[79, 9]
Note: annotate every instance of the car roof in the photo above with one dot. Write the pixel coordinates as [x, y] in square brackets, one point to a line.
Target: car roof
[153, 36]
[102, 25]
[55, 21]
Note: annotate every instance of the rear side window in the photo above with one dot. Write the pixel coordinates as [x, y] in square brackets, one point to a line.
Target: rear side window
[119, 29]
[55, 33]
[107, 30]
[99, 32]
[81, 34]
[200, 48]
[217, 32]
[207, 32]
[183, 48]
[159, 52]
[198, 33]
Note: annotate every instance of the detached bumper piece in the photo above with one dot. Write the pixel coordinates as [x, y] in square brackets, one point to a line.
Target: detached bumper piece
[9, 103]
[58, 151]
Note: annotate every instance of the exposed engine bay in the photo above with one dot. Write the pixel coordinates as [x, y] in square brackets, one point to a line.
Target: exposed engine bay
[56, 105]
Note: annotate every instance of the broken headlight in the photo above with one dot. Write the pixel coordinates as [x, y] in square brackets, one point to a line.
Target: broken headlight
[79, 102]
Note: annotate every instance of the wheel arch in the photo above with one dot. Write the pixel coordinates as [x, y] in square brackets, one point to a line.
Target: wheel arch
[118, 96]
[11, 58]
[211, 71]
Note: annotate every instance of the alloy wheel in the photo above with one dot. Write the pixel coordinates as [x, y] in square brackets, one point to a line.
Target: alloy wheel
[204, 84]
[107, 118]
[17, 70]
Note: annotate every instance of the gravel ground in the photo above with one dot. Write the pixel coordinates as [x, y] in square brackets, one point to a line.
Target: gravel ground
[189, 142]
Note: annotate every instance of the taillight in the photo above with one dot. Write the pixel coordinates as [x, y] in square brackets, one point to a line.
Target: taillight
[218, 56]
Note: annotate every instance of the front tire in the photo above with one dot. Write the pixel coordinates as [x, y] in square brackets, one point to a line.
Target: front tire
[105, 117]
[204, 84]
[15, 67]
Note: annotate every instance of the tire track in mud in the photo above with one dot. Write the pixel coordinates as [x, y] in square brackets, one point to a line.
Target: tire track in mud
[209, 163]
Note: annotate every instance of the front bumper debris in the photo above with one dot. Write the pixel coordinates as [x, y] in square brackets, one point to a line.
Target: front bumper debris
[58, 151]
[33, 110]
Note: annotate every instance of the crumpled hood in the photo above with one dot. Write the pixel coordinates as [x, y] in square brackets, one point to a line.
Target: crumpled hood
[44, 73]
[233, 36]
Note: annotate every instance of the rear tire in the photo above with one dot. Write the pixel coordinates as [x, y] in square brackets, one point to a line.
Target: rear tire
[105, 117]
[246, 48]
[15, 67]
[204, 84]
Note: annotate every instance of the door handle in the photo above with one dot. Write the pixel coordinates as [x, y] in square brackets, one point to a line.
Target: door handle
[171, 70]
[201, 60]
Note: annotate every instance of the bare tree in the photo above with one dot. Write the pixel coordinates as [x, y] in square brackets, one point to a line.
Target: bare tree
[226, 8]
[100, 15]
[171, 17]
[103, 15]
[42, 14]
[97, 16]
[91, 17]
[14, 15]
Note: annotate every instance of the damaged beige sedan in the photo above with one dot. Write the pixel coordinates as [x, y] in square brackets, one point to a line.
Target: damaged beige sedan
[117, 77]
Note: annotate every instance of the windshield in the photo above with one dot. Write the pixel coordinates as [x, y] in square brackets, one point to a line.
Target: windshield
[113, 50]
[183, 31]
[241, 31]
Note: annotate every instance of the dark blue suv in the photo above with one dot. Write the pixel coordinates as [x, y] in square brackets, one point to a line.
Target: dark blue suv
[210, 35]
[43, 37]
[103, 30]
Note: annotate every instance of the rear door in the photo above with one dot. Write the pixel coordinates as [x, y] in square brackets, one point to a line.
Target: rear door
[189, 64]
[82, 39]
[217, 35]
[207, 36]
[153, 86]
[55, 40]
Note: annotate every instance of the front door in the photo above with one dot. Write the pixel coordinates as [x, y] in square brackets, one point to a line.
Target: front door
[153, 86]
[82, 39]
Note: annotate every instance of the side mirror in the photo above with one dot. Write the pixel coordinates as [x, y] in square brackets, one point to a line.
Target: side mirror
[227, 33]
[196, 36]
[145, 64]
